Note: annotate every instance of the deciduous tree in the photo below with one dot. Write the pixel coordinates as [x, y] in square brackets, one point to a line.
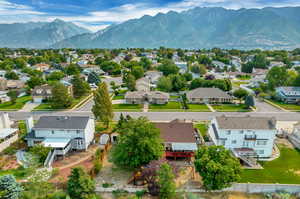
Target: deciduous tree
[167, 187]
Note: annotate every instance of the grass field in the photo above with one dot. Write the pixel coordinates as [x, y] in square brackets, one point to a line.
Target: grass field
[165, 107]
[202, 127]
[20, 102]
[290, 107]
[19, 173]
[118, 97]
[285, 169]
[231, 108]
[127, 107]
[198, 108]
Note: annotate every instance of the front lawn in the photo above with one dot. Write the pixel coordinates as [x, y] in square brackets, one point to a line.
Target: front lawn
[231, 108]
[20, 102]
[19, 173]
[202, 128]
[284, 170]
[171, 106]
[118, 97]
[198, 108]
[127, 107]
[290, 107]
[47, 106]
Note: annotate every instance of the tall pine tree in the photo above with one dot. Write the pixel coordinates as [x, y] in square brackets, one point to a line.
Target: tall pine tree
[102, 109]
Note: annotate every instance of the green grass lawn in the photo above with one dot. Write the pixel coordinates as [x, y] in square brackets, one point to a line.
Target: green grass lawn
[231, 108]
[202, 128]
[198, 108]
[285, 169]
[118, 97]
[290, 107]
[238, 83]
[20, 102]
[174, 97]
[47, 106]
[127, 107]
[171, 106]
[19, 173]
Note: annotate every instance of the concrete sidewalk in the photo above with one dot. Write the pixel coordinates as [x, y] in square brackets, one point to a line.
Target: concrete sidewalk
[29, 106]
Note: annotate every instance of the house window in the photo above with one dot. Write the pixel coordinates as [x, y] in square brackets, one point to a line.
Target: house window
[222, 142]
[241, 132]
[262, 142]
[52, 132]
[233, 142]
[261, 151]
[77, 131]
[228, 132]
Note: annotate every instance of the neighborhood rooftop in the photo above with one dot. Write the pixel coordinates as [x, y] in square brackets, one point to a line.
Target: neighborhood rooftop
[247, 122]
[208, 93]
[62, 122]
[176, 131]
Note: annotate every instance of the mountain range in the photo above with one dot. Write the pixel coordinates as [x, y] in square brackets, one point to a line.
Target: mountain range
[37, 34]
[267, 28]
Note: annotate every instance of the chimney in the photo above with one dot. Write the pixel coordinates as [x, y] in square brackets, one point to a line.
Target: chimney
[29, 124]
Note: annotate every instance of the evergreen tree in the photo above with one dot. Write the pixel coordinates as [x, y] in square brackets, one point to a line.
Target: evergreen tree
[80, 185]
[9, 188]
[249, 101]
[80, 87]
[102, 109]
[60, 96]
[93, 78]
[166, 182]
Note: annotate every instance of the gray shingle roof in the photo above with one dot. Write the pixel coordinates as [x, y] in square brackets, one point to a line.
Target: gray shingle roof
[62, 122]
[247, 122]
[208, 93]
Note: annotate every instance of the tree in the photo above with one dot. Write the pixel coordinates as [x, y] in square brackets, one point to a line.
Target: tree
[164, 84]
[137, 72]
[145, 63]
[139, 142]
[102, 108]
[217, 167]
[168, 67]
[13, 95]
[80, 185]
[93, 78]
[35, 81]
[111, 67]
[249, 101]
[247, 67]
[11, 75]
[72, 69]
[167, 187]
[240, 94]
[178, 82]
[80, 87]
[9, 187]
[60, 96]
[40, 151]
[55, 76]
[129, 81]
[277, 76]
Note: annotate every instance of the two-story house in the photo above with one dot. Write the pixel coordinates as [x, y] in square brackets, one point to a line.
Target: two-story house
[8, 135]
[244, 136]
[61, 133]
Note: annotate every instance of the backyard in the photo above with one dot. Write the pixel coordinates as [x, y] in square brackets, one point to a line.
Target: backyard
[171, 106]
[285, 169]
[20, 102]
[231, 108]
[127, 107]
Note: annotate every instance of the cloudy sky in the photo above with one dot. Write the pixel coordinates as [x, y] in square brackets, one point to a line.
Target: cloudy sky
[98, 14]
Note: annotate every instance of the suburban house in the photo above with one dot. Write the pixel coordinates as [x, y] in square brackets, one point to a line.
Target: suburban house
[294, 137]
[61, 133]
[143, 84]
[179, 137]
[41, 67]
[153, 97]
[288, 94]
[44, 92]
[15, 84]
[8, 135]
[208, 95]
[40, 93]
[247, 137]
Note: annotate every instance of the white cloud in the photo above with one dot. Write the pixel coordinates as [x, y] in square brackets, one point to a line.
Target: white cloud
[10, 12]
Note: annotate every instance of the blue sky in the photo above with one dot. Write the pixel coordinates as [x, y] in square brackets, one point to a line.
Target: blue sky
[98, 14]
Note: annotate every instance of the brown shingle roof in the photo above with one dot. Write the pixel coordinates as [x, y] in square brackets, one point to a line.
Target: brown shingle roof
[266, 123]
[176, 131]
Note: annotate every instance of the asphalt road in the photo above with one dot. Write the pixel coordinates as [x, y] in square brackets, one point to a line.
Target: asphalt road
[163, 116]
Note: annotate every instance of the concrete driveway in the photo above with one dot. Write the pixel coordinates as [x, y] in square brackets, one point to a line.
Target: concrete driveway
[265, 107]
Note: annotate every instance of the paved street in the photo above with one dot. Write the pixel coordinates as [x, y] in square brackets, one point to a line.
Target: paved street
[163, 116]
